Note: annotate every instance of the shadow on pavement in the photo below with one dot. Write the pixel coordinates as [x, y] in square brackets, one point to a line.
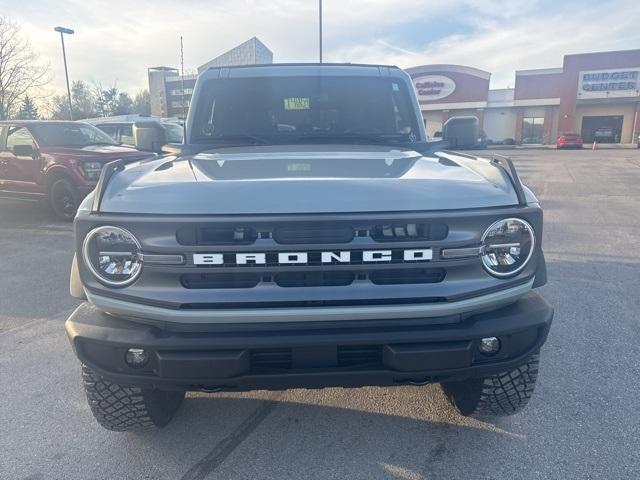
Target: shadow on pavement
[284, 439]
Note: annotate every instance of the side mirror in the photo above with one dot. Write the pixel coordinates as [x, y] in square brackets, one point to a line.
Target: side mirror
[149, 136]
[23, 150]
[461, 132]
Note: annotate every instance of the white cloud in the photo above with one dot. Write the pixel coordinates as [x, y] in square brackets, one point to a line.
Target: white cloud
[116, 41]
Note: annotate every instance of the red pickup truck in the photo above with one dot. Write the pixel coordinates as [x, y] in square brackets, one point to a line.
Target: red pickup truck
[56, 161]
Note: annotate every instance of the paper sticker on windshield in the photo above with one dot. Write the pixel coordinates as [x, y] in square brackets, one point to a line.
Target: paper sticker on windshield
[297, 103]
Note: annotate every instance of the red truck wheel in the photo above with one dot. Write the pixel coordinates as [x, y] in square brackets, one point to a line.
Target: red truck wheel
[63, 199]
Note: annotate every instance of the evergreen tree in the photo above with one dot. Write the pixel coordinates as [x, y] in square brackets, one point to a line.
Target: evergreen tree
[28, 110]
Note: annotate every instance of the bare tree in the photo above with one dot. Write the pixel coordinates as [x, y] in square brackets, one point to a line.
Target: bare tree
[21, 70]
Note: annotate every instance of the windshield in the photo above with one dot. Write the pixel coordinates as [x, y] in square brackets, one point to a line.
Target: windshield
[70, 135]
[175, 133]
[295, 109]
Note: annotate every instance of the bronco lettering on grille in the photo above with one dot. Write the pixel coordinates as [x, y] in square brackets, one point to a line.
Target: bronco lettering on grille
[305, 258]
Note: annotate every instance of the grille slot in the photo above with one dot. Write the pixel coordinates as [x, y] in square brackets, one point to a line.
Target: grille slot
[348, 356]
[406, 276]
[271, 358]
[314, 279]
[313, 234]
[216, 235]
[220, 280]
[356, 355]
[394, 232]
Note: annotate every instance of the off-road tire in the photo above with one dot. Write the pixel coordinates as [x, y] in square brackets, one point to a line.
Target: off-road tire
[502, 394]
[121, 408]
[63, 199]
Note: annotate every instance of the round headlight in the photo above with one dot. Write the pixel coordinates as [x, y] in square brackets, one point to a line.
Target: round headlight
[507, 246]
[113, 255]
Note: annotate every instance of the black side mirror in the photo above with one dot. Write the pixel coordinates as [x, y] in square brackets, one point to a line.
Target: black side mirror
[149, 136]
[461, 132]
[24, 151]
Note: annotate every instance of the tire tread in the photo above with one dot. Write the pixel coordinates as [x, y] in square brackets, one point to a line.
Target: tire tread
[122, 408]
[505, 393]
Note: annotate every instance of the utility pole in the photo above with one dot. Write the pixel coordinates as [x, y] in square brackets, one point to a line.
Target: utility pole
[320, 27]
[62, 31]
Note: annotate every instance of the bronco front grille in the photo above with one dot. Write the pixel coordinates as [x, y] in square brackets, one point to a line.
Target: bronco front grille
[310, 261]
[305, 233]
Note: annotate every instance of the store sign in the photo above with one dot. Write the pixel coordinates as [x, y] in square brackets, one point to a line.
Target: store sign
[434, 87]
[609, 83]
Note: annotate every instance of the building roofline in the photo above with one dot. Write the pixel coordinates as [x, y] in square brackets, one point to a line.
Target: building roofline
[442, 67]
[539, 71]
[631, 50]
[253, 39]
[162, 68]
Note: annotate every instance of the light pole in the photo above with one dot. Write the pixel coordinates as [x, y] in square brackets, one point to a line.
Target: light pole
[68, 31]
[320, 27]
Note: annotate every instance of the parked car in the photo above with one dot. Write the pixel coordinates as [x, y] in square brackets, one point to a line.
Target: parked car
[126, 129]
[57, 161]
[569, 140]
[343, 250]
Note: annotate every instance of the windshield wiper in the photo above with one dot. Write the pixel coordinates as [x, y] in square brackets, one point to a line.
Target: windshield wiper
[239, 137]
[377, 138]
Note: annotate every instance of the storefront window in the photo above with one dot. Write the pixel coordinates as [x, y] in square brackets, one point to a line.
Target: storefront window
[532, 129]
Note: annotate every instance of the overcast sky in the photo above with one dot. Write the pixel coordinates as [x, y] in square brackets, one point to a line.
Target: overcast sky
[116, 40]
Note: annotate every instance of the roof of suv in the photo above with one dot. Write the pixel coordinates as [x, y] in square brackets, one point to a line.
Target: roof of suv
[302, 69]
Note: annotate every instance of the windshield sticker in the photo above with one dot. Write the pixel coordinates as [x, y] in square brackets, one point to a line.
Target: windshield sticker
[395, 87]
[297, 103]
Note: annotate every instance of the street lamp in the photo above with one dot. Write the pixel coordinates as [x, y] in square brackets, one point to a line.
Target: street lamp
[68, 31]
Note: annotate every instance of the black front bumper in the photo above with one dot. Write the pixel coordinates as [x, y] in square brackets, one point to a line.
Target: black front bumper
[348, 354]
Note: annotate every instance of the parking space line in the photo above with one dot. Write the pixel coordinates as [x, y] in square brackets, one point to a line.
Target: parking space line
[225, 447]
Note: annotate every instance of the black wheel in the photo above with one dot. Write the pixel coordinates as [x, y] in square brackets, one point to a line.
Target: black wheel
[120, 408]
[63, 199]
[503, 394]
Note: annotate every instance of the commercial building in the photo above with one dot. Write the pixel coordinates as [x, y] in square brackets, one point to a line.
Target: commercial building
[594, 94]
[169, 98]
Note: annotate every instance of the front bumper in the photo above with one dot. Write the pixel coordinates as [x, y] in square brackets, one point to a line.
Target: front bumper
[310, 355]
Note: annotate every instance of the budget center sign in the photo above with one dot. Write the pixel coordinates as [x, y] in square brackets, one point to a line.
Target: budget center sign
[609, 83]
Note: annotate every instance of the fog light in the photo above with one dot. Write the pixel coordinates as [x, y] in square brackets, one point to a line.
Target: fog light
[136, 357]
[489, 345]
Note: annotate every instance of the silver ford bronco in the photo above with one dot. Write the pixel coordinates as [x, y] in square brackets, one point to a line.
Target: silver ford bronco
[306, 235]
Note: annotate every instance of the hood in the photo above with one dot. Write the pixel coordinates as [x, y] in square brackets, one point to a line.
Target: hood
[97, 152]
[284, 179]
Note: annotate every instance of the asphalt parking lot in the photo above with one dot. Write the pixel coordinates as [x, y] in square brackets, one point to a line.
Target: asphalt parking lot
[582, 423]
